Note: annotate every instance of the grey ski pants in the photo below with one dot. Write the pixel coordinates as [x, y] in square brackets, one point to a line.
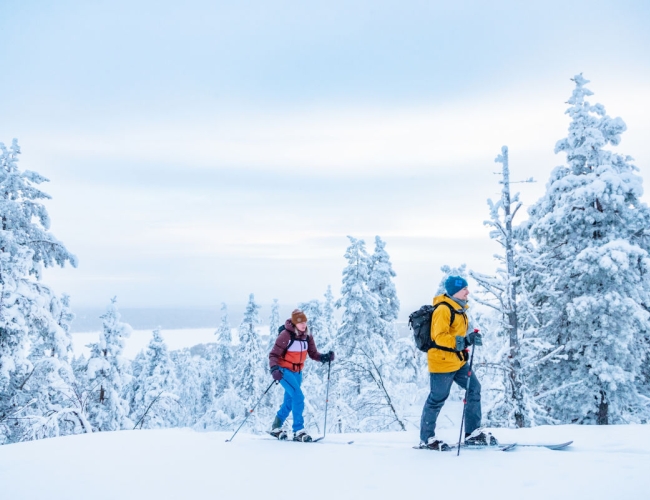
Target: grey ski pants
[440, 387]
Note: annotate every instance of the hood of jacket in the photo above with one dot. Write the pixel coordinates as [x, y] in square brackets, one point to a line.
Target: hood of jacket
[289, 326]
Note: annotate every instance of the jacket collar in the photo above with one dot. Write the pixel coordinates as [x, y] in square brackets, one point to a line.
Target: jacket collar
[446, 298]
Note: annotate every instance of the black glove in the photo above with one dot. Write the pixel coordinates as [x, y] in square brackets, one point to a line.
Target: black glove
[276, 373]
[475, 338]
[327, 357]
[461, 343]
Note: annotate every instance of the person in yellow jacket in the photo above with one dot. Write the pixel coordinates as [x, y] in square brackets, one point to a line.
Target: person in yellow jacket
[448, 363]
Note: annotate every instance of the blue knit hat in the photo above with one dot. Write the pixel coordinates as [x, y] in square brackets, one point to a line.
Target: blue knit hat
[454, 284]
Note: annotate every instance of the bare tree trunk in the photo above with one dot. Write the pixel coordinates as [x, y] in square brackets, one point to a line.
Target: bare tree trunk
[515, 381]
[511, 295]
[603, 410]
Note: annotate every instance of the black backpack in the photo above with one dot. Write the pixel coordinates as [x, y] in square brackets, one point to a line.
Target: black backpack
[420, 323]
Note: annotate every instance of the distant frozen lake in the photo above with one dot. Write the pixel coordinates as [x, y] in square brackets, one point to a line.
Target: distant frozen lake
[175, 339]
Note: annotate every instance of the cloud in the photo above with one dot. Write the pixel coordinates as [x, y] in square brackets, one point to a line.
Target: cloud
[202, 152]
[218, 207]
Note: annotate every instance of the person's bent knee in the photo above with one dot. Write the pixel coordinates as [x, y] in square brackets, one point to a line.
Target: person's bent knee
[298, 396]
[474, 390]
[434, 401]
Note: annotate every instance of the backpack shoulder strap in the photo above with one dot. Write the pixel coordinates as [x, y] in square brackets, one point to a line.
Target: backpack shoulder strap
[293, 339]
[461, 354]
[451, 310]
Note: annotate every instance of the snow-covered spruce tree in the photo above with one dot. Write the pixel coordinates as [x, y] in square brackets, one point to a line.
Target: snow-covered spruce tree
[590, 285]
[248, 371]
[51, 384]
[408, 376]
[26, 246]
[107, 375]
[137, 365]
[250, 368]
[361, 318]
[274, 323]
[507, 400]
[361, 378]
[328, 336]
[52, 337]
[411, 368]
[223, 354]
[155, 403]
[316, 318]
[224, 407]
[80, 389]
[404, 364]
[193, 375]
[380, 282]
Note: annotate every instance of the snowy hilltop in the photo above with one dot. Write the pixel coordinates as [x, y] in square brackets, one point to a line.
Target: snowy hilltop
[603, 463]
[559, 335]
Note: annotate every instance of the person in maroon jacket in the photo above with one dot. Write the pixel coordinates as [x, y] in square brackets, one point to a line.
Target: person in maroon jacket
[286, 360]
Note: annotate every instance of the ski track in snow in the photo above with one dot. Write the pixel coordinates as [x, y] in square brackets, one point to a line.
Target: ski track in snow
[603, 463]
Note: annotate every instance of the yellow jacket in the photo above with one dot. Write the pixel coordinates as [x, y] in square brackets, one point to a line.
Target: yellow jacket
[445, 335]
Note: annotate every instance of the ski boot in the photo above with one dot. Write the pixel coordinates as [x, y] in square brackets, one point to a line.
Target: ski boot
[480, 438]
[434, 444]
[277, 431]
[302, 436]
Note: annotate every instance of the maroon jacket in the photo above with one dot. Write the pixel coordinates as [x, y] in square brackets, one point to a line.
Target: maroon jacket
[292, 355]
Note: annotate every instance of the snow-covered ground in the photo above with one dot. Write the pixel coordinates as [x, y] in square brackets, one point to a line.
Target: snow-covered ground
[604, 463]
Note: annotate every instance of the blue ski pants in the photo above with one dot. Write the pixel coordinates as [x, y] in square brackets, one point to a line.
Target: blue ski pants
[294, 399]
[440, 386]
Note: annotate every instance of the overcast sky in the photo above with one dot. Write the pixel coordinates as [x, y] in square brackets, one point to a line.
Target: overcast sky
[200, 151]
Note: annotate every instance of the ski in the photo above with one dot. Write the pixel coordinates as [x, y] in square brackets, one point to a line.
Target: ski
[320, 440]
[498, 447]
[317, 440]
[505, 447]
[418, 448]
[510, 446]
[555, 447]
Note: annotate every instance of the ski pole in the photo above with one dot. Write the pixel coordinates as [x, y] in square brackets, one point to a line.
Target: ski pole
[251, 411]
[327, 397]
[469, 378]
